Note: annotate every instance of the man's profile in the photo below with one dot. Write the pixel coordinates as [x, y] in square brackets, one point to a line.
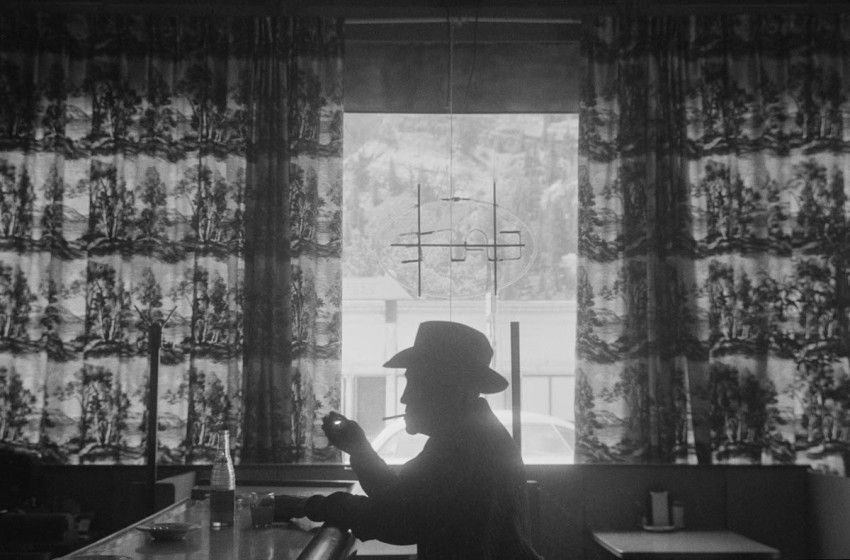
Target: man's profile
[463, 496]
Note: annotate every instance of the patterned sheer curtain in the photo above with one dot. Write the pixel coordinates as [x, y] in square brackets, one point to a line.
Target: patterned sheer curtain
[713, 277]
[167, 167]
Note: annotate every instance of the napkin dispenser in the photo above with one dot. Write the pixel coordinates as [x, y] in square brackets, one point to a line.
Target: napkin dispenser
[660, 508]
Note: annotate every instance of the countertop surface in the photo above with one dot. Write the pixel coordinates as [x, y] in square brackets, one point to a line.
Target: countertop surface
[682, 544]
[281, 541]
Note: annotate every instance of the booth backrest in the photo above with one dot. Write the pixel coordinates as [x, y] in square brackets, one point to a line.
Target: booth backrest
[17, 477]
[103, 491]
[175, 488]
[114, 495]
[768, 504]
[829, 503]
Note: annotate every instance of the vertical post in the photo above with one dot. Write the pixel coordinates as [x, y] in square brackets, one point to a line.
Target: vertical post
[154, 341]
[516, 384]
[495, 255]
[419, 240]
[390, 349]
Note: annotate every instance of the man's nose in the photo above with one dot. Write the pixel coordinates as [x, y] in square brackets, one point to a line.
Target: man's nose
[404, 396]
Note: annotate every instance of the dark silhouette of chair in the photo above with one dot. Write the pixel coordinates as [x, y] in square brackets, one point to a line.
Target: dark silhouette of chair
[26, 533]
[18, 472]
[24, 556]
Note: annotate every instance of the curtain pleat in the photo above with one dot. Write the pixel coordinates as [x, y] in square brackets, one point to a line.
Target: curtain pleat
[146, 167]
[712, 302]
[268, 354]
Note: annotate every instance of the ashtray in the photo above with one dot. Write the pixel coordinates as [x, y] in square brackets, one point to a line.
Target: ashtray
[659, 528]
[168, 531]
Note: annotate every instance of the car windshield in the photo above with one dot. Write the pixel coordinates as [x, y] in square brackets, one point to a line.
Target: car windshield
[543, 439]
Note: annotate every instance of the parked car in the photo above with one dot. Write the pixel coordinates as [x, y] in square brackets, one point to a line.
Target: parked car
[545, 439]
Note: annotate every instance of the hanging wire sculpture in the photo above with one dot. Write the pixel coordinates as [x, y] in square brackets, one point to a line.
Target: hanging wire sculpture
[467, 236]
[504, 244]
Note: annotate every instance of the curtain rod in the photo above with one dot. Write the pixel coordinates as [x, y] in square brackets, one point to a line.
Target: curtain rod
[461, 19]
[561, 12]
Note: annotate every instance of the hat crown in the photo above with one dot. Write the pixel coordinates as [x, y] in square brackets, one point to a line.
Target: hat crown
[454, 351]
[453, 343]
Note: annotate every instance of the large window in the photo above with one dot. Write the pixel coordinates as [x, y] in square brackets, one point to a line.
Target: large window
[455, 165]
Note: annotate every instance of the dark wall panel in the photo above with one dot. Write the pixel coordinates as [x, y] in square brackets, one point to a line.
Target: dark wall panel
[509, 77]
[617, 496]
[829, 504]
[770, 505]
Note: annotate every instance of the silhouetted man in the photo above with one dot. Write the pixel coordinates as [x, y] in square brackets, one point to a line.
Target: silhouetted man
[463, 496]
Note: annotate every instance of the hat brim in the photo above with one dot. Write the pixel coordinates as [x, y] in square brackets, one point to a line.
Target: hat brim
[481, 378]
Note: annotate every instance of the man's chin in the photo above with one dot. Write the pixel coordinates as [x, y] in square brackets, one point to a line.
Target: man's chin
[410, 426]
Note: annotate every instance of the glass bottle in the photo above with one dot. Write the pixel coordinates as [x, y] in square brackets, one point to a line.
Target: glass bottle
[222, 485]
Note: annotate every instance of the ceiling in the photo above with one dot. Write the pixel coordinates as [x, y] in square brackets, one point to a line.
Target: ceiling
[417, 9]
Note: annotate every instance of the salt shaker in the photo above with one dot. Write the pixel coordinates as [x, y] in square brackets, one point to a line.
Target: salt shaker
[678, 510]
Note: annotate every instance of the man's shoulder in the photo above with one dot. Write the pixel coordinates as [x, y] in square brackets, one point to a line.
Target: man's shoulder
[479, 440]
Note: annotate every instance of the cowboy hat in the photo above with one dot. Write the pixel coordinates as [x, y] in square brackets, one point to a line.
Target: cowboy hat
[452, 349]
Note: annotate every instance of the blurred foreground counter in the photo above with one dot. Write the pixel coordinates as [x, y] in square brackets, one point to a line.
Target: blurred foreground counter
[295, 540]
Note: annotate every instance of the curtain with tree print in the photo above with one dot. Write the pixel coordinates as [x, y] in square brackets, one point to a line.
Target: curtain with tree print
[130, 158]
[712, 297]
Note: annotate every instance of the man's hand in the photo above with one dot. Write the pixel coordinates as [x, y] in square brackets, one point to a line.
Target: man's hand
[344, 434]
[287, 507]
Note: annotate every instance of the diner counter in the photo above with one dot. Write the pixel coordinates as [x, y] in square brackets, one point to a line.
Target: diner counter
[293, 540]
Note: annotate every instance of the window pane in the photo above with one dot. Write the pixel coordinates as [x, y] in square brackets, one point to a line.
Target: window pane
[401, 446]
[370, 393]
[539, 439]
[455, 167]
[563, 396]
[535, 393]
[568, 434]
